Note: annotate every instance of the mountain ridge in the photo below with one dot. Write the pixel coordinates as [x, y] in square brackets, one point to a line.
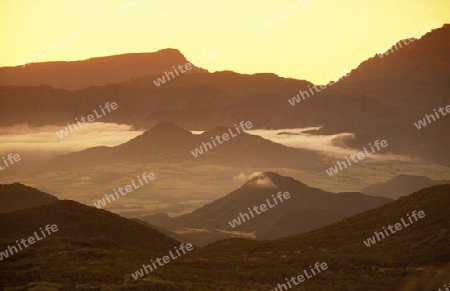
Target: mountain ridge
[17, 196]
[401, 185]
[310, 207]
[170, 141]
[96, 71]
[75, 220]
[388, 265]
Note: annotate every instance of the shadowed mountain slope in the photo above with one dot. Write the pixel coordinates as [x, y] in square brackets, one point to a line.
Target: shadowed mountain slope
[194, 101]
[307, 208]
[424, 60]
[352, 266]
[401, 185]
[17, 196]
[381, 99]
[409, 78]
[90, 248]
[412, 80]
[76, 220]
[371, 103]
[249, 264]
[169, 142]
[98, 71]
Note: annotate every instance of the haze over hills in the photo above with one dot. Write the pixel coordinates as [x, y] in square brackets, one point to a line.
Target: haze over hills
[411, 80]
[201, 146]
[308, 207]
[98, 71]
[204, 101]
[17, 196]
[401, 185]
[371, 104]
[194, 101]
[425, 59]
[167, 142]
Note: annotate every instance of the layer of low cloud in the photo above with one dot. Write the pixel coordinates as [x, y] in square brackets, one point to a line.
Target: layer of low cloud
[23, 138]
[324, 144]
[261, 180]
[243, 178]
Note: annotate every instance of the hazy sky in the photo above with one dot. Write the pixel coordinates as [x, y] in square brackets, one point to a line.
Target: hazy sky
[315, 42]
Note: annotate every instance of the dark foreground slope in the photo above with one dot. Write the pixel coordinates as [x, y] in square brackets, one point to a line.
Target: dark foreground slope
[99, 263]
[239, 264]
[91, 247]
[17, 196]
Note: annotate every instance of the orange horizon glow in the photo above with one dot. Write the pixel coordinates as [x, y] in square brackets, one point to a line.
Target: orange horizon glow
[315, 40]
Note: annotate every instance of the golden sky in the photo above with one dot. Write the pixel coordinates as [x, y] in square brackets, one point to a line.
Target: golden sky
[314, 40]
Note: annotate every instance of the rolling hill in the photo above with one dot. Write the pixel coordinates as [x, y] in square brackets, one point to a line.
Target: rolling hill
[76, 220]
[101, 262]
[401, 185]
[167, 142]
[92, 244]
[307, 209]
[419, 249]
[17, 196]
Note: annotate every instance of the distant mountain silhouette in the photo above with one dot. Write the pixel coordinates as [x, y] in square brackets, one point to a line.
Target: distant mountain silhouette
[424, 60]
[17, 196]
[98, 71]
[168, 142]
[194, 101]
[401, 185]
[381, 99]
[411, 81]
[308, 208]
